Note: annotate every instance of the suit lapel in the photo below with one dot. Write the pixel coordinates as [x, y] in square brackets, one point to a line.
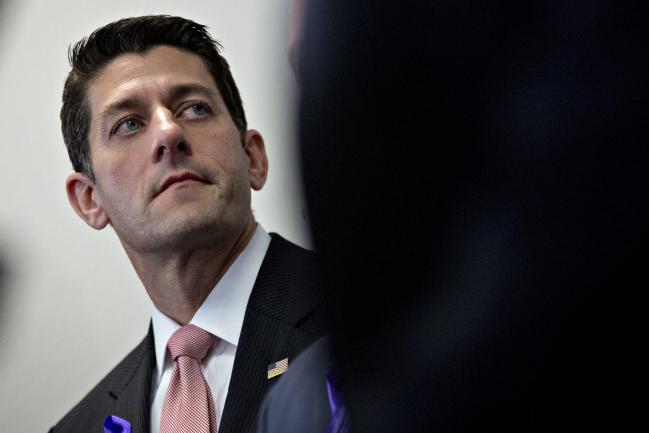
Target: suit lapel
[284, 294]
[280, 322]
[131, 389]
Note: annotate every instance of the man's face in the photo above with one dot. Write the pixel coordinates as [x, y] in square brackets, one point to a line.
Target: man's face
[170, 165]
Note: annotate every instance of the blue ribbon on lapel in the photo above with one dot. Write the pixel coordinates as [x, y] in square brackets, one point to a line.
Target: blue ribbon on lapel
[115, 424]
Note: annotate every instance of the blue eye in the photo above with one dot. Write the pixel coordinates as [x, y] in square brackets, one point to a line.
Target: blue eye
[127, 127]
[195, 110]
[198, 110]
[132, 125]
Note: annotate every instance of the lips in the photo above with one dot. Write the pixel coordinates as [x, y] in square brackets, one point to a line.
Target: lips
[178, 178]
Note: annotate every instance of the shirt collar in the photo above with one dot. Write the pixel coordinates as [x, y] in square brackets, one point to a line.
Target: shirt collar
[222, 312]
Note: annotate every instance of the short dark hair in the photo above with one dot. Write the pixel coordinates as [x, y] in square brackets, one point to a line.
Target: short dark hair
[135, 35]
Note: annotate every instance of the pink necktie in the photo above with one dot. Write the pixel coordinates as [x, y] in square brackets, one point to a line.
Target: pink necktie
[188, 406]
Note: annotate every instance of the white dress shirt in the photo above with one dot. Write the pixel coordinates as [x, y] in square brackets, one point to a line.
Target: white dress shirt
[221, 314]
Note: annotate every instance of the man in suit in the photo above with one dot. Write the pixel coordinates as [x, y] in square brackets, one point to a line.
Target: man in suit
[157, 136]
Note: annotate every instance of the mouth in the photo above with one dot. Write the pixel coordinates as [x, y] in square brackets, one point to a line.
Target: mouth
[177, 179]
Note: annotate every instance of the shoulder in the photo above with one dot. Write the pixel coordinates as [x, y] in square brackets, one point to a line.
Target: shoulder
[284, 252]
[298, 402]
[89, 414]
[307, 373]
[288, 285]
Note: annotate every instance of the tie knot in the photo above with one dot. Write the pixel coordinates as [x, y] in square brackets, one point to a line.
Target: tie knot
[190, 341]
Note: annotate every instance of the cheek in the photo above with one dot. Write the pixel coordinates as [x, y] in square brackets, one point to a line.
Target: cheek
[221, 148]
[123, 161]
[118, 174]
[118, 178]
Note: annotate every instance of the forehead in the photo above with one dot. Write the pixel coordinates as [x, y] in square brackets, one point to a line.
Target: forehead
[151, 73]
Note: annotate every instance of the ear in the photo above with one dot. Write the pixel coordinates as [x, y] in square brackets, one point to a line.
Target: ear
[256, 150]
[80, 190]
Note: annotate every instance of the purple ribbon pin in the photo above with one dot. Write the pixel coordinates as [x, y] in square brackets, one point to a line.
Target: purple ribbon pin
[115, 424]
[339, 423]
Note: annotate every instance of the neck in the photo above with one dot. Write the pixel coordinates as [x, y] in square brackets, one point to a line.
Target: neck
[178, 282]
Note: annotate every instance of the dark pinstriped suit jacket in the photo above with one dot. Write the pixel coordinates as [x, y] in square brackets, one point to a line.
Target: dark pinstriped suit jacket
[282, 318]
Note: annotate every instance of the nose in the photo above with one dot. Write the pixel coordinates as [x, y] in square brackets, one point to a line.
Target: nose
[168, 137]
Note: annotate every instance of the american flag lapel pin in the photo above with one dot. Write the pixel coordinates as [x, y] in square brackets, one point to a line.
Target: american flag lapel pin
[277, 368]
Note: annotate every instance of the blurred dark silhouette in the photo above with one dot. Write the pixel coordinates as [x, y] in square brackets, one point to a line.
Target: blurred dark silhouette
[476, 177]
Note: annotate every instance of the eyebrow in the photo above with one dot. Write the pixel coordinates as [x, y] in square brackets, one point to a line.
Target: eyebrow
[181, 90]
[137, 102]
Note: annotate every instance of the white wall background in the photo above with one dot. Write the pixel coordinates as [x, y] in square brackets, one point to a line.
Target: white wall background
[71, 305]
